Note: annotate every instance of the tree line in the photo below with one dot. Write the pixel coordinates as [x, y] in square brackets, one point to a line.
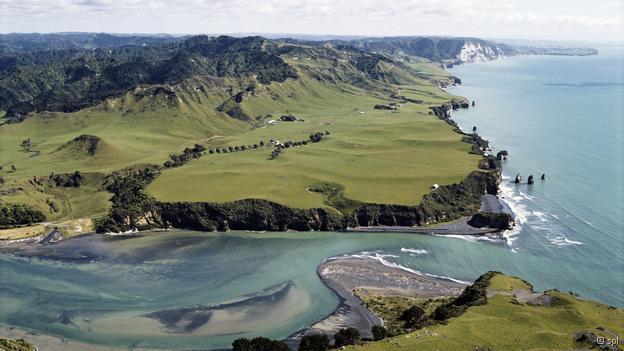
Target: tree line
[309, 342]
[198, 150]
[12, 215]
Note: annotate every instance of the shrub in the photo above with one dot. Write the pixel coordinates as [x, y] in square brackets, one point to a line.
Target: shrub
[379, 332]
[314, 342]
[259, 344]
[442, 313]
[412, 317]
[348, 336]
[242, 344]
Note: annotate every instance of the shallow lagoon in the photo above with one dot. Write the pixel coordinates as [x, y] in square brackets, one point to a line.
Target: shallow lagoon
[250, 283]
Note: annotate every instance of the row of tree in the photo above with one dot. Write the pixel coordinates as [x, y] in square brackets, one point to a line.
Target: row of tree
[187, 155]
[309, 342]
[225, 150]
[314, 138]
[176, 160]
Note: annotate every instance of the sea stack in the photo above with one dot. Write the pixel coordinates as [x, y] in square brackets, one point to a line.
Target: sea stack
[518, 178]
[530, 180]
[543, 176]
[473, 103]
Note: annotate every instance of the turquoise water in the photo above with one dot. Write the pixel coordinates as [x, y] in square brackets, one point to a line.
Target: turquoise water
[556, 115]
[562, 116]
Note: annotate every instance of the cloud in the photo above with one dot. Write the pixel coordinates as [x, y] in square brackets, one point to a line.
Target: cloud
[368, 17]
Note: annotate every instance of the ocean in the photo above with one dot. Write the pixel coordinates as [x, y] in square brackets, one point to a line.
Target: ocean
[561, 116]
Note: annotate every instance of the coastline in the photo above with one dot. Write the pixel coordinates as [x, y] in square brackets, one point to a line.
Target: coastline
[343, 275]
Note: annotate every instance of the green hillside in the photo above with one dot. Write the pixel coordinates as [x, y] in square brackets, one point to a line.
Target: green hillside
[514, 317]
[377, 156]
[362, 124]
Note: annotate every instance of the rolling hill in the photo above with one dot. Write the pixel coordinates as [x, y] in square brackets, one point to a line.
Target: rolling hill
[226, 120]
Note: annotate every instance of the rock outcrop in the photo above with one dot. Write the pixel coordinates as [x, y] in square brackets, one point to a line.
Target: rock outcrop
[496, 220]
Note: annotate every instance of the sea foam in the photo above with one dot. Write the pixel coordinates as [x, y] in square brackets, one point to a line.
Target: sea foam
[381, 258]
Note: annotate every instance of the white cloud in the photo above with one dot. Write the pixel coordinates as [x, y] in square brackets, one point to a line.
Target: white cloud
[368, 17]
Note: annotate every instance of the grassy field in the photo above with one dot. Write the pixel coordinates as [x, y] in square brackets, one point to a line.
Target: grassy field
[131, 132]
[378, 156]
[504, 323]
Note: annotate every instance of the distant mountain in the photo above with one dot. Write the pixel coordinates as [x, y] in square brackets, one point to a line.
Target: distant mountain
[70, 71]
[28, 42]
[435, 48]
[448, 50]
[71, 79]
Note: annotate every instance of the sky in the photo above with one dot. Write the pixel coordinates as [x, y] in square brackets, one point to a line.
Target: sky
[572, 20]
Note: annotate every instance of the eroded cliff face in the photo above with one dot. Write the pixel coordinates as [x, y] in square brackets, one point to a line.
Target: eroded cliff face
[474, 51]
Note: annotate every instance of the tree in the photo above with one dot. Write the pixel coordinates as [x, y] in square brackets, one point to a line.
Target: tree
[263, 344]
[242, 344]
[348, 336]
[1, 181]
[261, 143]
[314, 342]
[12, 215]
[230, 148]
[13, 168]
[237, 148]
[443, 312]
[255, 146]
[412, 317]
[211, 151]
[379, 332]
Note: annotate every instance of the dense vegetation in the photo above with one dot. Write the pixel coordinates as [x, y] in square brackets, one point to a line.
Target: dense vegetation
[130, 203]
[12, 215]
[73, 79]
